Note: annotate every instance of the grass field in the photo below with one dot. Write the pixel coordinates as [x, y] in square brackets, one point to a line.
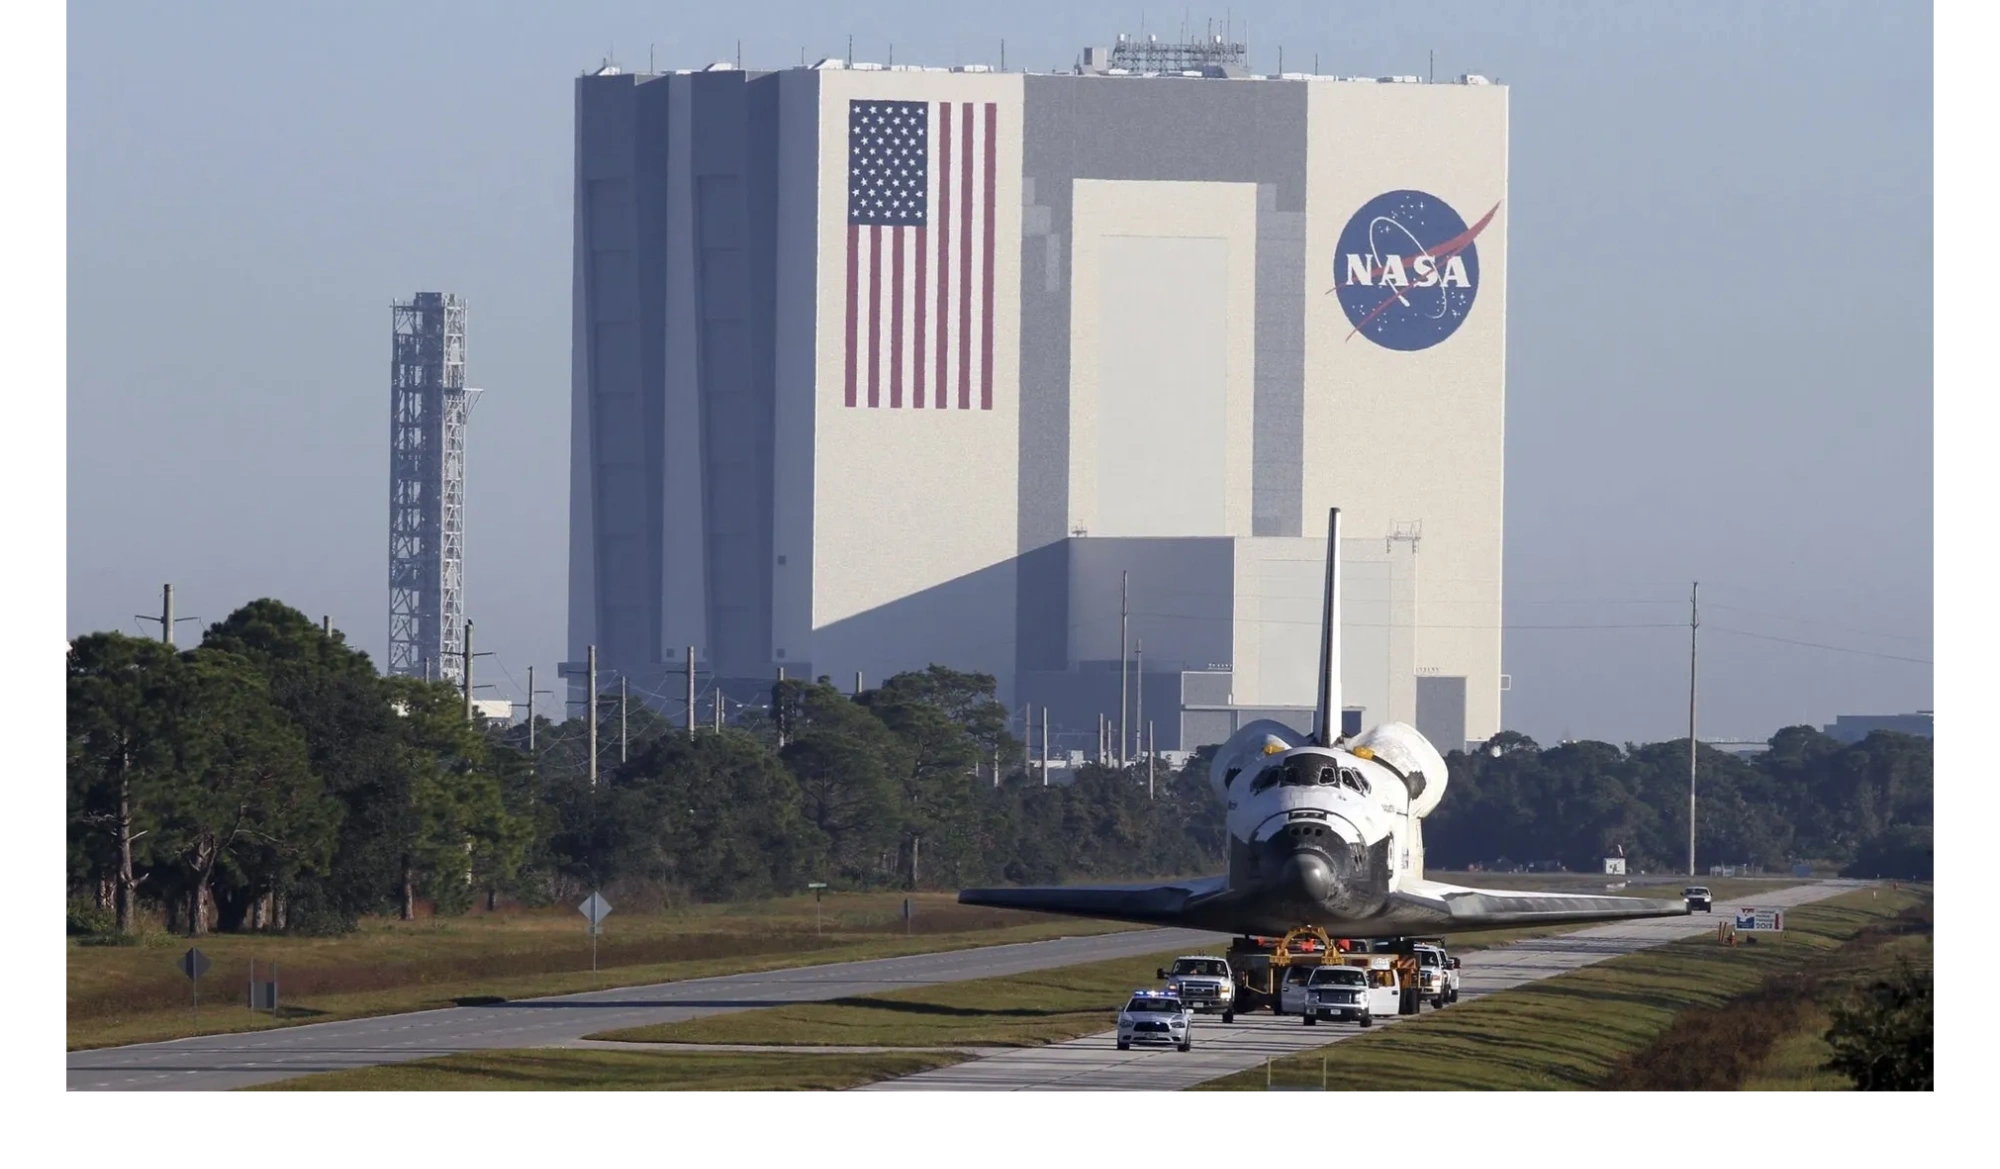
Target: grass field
[1722, 1048]
[134, 993]
[561, 1069]
[1796, 1061]
[131, 994]
[1574, 1030]
[1047, 1006]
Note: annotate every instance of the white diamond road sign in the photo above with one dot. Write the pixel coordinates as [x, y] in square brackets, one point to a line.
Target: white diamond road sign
[595, 908]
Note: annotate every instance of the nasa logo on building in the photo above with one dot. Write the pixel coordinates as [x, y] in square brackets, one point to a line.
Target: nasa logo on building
[1407, 269]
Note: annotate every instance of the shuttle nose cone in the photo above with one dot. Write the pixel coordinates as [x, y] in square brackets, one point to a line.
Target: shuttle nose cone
[1306, 877]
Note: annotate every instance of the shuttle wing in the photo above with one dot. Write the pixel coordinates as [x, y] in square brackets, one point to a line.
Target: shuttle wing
[1455, 908]
[1167, 904]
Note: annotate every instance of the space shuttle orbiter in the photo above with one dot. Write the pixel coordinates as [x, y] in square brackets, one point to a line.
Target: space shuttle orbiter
[1325, 832]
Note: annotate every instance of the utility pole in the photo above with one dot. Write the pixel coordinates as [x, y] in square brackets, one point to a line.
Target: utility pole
[1138, 694]
[468, 669]
[857, 683]
[623, 694]
[690, 694]
[1123, 624]
[718, 709]
[1045, 746]
[1694, 624]
[467, 680]
[531, 710]
[778, 713]
[1149, 761]
[166, 620]
[590, 671]
[326, 625]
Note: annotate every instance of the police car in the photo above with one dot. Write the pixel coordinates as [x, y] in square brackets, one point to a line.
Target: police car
[1153, 1017]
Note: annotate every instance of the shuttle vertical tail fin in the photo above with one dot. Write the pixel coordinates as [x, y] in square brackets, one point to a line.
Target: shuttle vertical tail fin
[1326, 727]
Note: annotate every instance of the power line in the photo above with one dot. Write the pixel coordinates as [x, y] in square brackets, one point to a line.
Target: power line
[1821, 645]
[1822, 624]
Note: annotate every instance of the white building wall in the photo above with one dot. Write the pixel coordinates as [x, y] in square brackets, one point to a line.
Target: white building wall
[1434, 418]
[1162, 330]
[1280, 598]
[914, 510]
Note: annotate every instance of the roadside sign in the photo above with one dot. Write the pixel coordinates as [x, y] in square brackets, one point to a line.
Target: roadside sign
[1769, 920]
[194, 964]
[817, 887]
[595, 908]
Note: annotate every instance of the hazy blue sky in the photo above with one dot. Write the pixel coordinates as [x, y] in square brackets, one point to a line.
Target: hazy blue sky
[1719, 349]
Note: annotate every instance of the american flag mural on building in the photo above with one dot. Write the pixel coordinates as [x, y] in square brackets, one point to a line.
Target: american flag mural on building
[920, 241]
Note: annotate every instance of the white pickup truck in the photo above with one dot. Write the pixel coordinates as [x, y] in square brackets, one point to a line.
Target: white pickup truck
[1203, 983]
[1339, 992]
[1437, 973]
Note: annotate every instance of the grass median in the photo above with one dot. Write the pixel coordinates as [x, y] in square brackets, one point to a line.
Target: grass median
[561, 1069]
[1585, 1029]
[1019, 1010]
[134, 993]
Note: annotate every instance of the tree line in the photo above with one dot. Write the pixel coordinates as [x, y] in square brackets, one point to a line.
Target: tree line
[271, 779]
[1862, 807]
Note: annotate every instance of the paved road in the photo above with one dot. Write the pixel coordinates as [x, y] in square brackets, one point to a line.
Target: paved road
[1095, 1063]
[215, 1062]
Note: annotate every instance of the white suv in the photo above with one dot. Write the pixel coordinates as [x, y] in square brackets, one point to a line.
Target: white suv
[1338, 992]
[1152, 1017]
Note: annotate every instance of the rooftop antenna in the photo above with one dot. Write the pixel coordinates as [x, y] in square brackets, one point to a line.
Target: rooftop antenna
[1434, 66]
[649, 58]
[739, 54]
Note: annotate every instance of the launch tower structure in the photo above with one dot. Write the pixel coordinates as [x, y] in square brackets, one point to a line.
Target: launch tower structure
[428, 407]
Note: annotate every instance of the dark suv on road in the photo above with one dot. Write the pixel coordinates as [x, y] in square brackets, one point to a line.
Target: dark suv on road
[1698, 898]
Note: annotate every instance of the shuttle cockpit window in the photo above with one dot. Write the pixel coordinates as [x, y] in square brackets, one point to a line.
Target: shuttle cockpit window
[1352, 780]
[1300, 771]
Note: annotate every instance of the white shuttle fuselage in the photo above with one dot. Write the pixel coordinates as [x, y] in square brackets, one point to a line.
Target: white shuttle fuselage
[1325, 836]
[1325, 832]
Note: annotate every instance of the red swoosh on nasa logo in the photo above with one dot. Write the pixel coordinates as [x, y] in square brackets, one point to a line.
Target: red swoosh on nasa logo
[1450, 247]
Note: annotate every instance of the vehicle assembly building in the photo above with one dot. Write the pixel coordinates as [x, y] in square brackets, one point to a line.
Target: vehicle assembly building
[877, 367]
